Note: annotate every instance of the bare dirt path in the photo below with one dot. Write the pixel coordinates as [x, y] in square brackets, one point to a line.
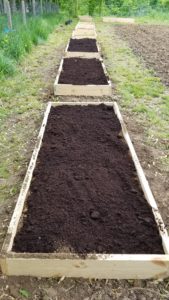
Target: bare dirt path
[151, 42]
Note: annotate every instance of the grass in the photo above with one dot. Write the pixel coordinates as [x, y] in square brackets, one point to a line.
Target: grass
[155, 16]
[22, 106]
[141, 92]
[16, 44]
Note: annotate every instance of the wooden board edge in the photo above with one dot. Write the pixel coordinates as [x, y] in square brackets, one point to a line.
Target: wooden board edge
[144, 183]
[13, 225]
[115, 268]
[118, 20]
[82, 90]
[70, 54]
[86, 18]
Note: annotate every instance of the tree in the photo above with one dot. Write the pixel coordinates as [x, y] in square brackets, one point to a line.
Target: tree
[23, 12]
[34, 7]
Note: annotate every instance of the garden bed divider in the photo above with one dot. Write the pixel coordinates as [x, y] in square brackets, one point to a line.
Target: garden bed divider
[108, 266]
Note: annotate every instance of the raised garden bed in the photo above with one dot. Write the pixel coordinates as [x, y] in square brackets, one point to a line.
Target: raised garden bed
[84, 33]
[85, 25]
[79, 76]
[118, 20]
[83, 45]
[84, 48]
[81, 211]
[86, 18]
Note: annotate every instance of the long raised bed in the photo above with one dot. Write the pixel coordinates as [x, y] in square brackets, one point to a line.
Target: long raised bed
[85, 25]
[82, 77]
[84, 33]
[88, 233]
[85, 18]
[118, 20]
[84, 48]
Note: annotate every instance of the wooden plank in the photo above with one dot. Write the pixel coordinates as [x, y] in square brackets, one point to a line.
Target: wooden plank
[7, 246]
[82, 90]
[144, 183]
[85, 25]
[117, 266]
[81, 34]
[118, 20]
[85, 18]
[88, 55]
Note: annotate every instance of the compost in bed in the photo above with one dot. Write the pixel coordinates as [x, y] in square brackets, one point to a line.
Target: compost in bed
[85, 196]
[82, 71]
[83, 45]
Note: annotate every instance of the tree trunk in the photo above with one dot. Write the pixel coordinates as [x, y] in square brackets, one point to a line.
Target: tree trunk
[5, 8]
[13, 6]
[34, 7]
[23, 12]
[8, 11]
[41, 7]
[100, 7]
[76, 8]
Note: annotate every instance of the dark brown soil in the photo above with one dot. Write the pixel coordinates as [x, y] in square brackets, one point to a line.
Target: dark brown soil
[85, 196]
[151, 43]
[81, 71]
[83, 45]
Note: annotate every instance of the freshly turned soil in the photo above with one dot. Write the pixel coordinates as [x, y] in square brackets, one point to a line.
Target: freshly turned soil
[82, 45]
[85, 196]
[151, 42]
[81, 71]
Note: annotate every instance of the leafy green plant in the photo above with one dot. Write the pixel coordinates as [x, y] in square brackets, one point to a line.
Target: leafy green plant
[24, 293]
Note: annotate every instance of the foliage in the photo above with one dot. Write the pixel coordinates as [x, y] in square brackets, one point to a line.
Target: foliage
[113, 7]
[15, 44]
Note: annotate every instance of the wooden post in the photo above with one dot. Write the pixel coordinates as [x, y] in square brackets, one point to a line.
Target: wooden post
[34, 7]
[23, 12]
[41, 7]
[8, 11]
[4, 4]
[13, 6]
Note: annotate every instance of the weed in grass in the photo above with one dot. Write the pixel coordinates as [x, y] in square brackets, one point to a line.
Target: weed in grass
[140, 108]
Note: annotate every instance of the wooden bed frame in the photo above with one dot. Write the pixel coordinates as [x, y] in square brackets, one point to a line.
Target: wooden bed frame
[117, 266]
[69, 54]
[81, 90]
